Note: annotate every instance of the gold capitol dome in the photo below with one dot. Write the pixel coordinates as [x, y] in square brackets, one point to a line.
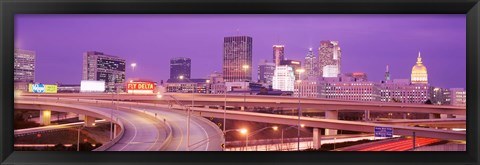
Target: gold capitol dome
[419, 72]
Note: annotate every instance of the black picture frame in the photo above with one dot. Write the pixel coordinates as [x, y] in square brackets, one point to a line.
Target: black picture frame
[9, 8]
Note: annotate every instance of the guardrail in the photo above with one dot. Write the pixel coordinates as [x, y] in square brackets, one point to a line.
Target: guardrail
[27, 131]
[114, 140]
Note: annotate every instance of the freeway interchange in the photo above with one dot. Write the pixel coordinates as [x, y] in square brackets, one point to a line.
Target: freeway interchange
[150, 123]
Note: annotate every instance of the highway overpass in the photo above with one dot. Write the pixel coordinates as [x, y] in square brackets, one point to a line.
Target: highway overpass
[143, 132]
[308, 121]
[279, 102]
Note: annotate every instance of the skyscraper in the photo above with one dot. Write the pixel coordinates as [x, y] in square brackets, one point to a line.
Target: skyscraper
[237, 53]
[283, 79]
[329, 54]
[24, 66]
[265, 72]
[295, 64]
[311, 64]
[419, 72]
[180, 66]
[99, 66]
[278, 54]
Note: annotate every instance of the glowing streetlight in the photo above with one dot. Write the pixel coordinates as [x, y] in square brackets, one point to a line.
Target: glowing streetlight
[180, 77]
[275, 128]
[133, 65]
[159, 96]
[302, 125]
[243, 131]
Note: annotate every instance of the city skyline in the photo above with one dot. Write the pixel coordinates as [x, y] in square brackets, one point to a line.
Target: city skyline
[441, 43]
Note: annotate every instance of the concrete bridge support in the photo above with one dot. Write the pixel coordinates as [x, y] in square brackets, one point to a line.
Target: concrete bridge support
[331, 115]
[45, 117]
[317, 138]
[445, 116]
[81, 117]
[367, 115]
[433, 116]
[89, 121]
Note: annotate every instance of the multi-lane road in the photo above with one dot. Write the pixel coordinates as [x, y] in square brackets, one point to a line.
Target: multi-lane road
[203, 135]
[143, 132]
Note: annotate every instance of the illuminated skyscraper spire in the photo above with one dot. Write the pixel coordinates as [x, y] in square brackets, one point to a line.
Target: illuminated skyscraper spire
[387, 74]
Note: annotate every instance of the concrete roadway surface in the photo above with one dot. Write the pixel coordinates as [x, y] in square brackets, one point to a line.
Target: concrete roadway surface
[142, 132]
[204, 136]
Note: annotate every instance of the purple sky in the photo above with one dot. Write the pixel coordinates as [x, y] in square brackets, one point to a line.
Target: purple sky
[368, 42]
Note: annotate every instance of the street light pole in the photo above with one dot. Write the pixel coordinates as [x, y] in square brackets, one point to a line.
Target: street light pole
[189, 113]
[225, 109]
[245, 68]
[284, 129]
[257, 131]
[111, 122]
[133, 65]
[78, 138]
[300, 71]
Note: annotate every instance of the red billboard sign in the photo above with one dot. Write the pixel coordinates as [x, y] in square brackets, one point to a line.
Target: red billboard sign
[141, 86]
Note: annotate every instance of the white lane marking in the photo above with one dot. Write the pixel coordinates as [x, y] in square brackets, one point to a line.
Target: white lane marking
[205, 131]
[181, 132]
[135, 135]
[158, 134]
[156, 140]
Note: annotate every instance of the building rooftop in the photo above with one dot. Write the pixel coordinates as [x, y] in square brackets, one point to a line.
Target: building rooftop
[186, 80]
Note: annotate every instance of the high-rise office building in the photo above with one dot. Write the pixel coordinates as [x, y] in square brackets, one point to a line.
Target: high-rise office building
[329, 53]
[24, 66]
[419, 72]
[311, 64]
[278, 54]
[237, 53]
[283, 79]
[295, 64]
[265, 72]
[102, 67]
[180, 66]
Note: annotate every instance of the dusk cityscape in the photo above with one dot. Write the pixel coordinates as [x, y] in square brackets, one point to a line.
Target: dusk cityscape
[240, 82]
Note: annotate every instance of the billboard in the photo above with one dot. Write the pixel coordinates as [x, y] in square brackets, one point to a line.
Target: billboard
[141, 87]
[92, 86]
[42, 88]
